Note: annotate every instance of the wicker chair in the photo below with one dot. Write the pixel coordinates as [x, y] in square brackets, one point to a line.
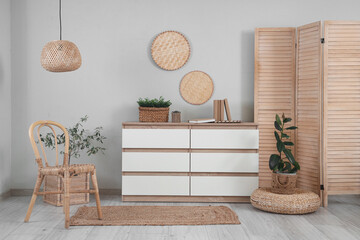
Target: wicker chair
[64, 171]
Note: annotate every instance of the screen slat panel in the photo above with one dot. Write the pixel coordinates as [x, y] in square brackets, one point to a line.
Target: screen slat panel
[341, 107]
[274, 88]
[309, 106]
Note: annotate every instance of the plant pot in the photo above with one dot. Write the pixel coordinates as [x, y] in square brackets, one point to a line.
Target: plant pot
[151, 114]
[283, 183]
[55, 183]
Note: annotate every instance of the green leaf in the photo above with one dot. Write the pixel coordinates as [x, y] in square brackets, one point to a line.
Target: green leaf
[291, 128]
[293, 170]
[277, 136]
[278, 120]
[277, 126]
[280, 146]
[287, 120]
[287, 167]
[273, 161]
[284, 135]
[289, 155]
[296, 165]
[288, 143]
[280, 166]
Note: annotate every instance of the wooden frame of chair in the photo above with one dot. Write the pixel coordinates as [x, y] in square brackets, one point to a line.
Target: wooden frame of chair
[65, 171]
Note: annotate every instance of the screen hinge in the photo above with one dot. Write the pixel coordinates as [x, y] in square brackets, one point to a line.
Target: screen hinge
[321, 187]
[322, 40]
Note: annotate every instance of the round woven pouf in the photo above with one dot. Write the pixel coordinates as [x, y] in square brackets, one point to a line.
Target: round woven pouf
[301, 202]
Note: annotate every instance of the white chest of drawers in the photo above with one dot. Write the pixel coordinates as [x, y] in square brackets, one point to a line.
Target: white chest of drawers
[184, 162]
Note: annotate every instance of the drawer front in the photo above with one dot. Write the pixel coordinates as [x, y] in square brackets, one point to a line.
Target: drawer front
[155, 138]
[223, 186]
[224, 162]
[225, 138]
[155, 162]
[155, 185]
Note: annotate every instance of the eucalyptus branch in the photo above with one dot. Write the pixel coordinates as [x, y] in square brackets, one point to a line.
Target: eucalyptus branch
[79, 140]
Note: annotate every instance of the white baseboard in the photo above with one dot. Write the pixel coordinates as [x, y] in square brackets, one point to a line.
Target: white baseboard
[5, 195]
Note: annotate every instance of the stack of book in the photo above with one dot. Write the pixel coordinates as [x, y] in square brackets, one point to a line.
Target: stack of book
[220, 108]
[202, 120]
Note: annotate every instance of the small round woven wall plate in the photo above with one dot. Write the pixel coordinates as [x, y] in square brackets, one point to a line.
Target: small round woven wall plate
[170, 50]
[196, 87]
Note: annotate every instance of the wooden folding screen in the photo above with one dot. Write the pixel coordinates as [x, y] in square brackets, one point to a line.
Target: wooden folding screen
[341, 108]
[327, 105]
[274, 88]
[308, 105]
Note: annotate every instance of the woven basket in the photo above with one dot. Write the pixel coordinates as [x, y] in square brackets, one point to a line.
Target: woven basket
[151, 114]
[55, 183]
[283, 183]
[301, 202]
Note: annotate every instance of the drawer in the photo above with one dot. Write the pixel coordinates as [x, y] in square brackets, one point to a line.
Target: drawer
[224, 162]
[155, 138]
[223, 186]
[155, 162]
[225, 138]
[155, 185]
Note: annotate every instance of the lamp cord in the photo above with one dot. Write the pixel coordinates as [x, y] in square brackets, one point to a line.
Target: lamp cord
[60, 19]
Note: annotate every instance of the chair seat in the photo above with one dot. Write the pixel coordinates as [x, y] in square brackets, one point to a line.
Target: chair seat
[73, 168]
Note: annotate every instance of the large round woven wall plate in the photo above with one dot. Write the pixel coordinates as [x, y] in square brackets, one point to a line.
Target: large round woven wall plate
[170, 50]
[196, 87]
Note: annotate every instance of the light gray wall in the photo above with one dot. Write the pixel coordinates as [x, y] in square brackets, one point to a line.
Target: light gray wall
[114, 38]
[5, 97]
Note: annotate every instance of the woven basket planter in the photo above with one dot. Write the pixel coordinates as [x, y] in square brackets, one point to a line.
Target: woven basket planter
[55, 183]
[151, 114]
[283, 183]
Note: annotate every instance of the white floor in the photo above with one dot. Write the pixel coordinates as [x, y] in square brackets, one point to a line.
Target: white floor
[341, 220]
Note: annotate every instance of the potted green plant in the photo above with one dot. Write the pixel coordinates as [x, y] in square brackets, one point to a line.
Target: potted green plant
[80, 140]
[154, 110]
[283, 164]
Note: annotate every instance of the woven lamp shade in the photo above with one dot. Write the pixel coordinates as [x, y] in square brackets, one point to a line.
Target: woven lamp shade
[60, 56]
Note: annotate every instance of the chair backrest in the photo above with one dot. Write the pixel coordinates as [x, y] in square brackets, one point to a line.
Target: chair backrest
[50, 124]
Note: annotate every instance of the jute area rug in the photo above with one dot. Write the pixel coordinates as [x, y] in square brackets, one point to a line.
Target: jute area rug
[155, 216]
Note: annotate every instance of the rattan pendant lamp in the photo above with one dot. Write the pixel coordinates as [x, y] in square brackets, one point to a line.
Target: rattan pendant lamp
[60, 55]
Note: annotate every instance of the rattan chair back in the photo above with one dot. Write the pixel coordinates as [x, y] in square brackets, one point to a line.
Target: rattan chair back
[50, 124]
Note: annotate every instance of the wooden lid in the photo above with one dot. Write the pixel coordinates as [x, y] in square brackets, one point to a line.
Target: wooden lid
[196, 87]
[170, 50]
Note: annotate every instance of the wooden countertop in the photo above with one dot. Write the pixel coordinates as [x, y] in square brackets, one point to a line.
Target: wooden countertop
[187, 125]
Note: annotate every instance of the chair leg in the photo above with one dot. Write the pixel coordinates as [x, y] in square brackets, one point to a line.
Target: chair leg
[97, 196]
[38, 183]
[67, 198]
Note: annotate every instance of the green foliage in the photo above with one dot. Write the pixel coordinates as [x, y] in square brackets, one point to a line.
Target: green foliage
[158, 103]
[278, 162]
[79, 140]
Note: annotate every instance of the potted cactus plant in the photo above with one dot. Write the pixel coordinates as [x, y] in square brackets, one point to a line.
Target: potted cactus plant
[283, 164]
[154, 110]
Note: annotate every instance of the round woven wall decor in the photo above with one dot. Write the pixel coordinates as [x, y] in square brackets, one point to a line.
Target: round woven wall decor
[196, 87]
[60, 56]
[170, 50]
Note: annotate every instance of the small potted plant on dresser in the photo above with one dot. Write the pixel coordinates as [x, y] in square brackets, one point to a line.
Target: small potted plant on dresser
[154, 110]
[283, 165]
[80, 140]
